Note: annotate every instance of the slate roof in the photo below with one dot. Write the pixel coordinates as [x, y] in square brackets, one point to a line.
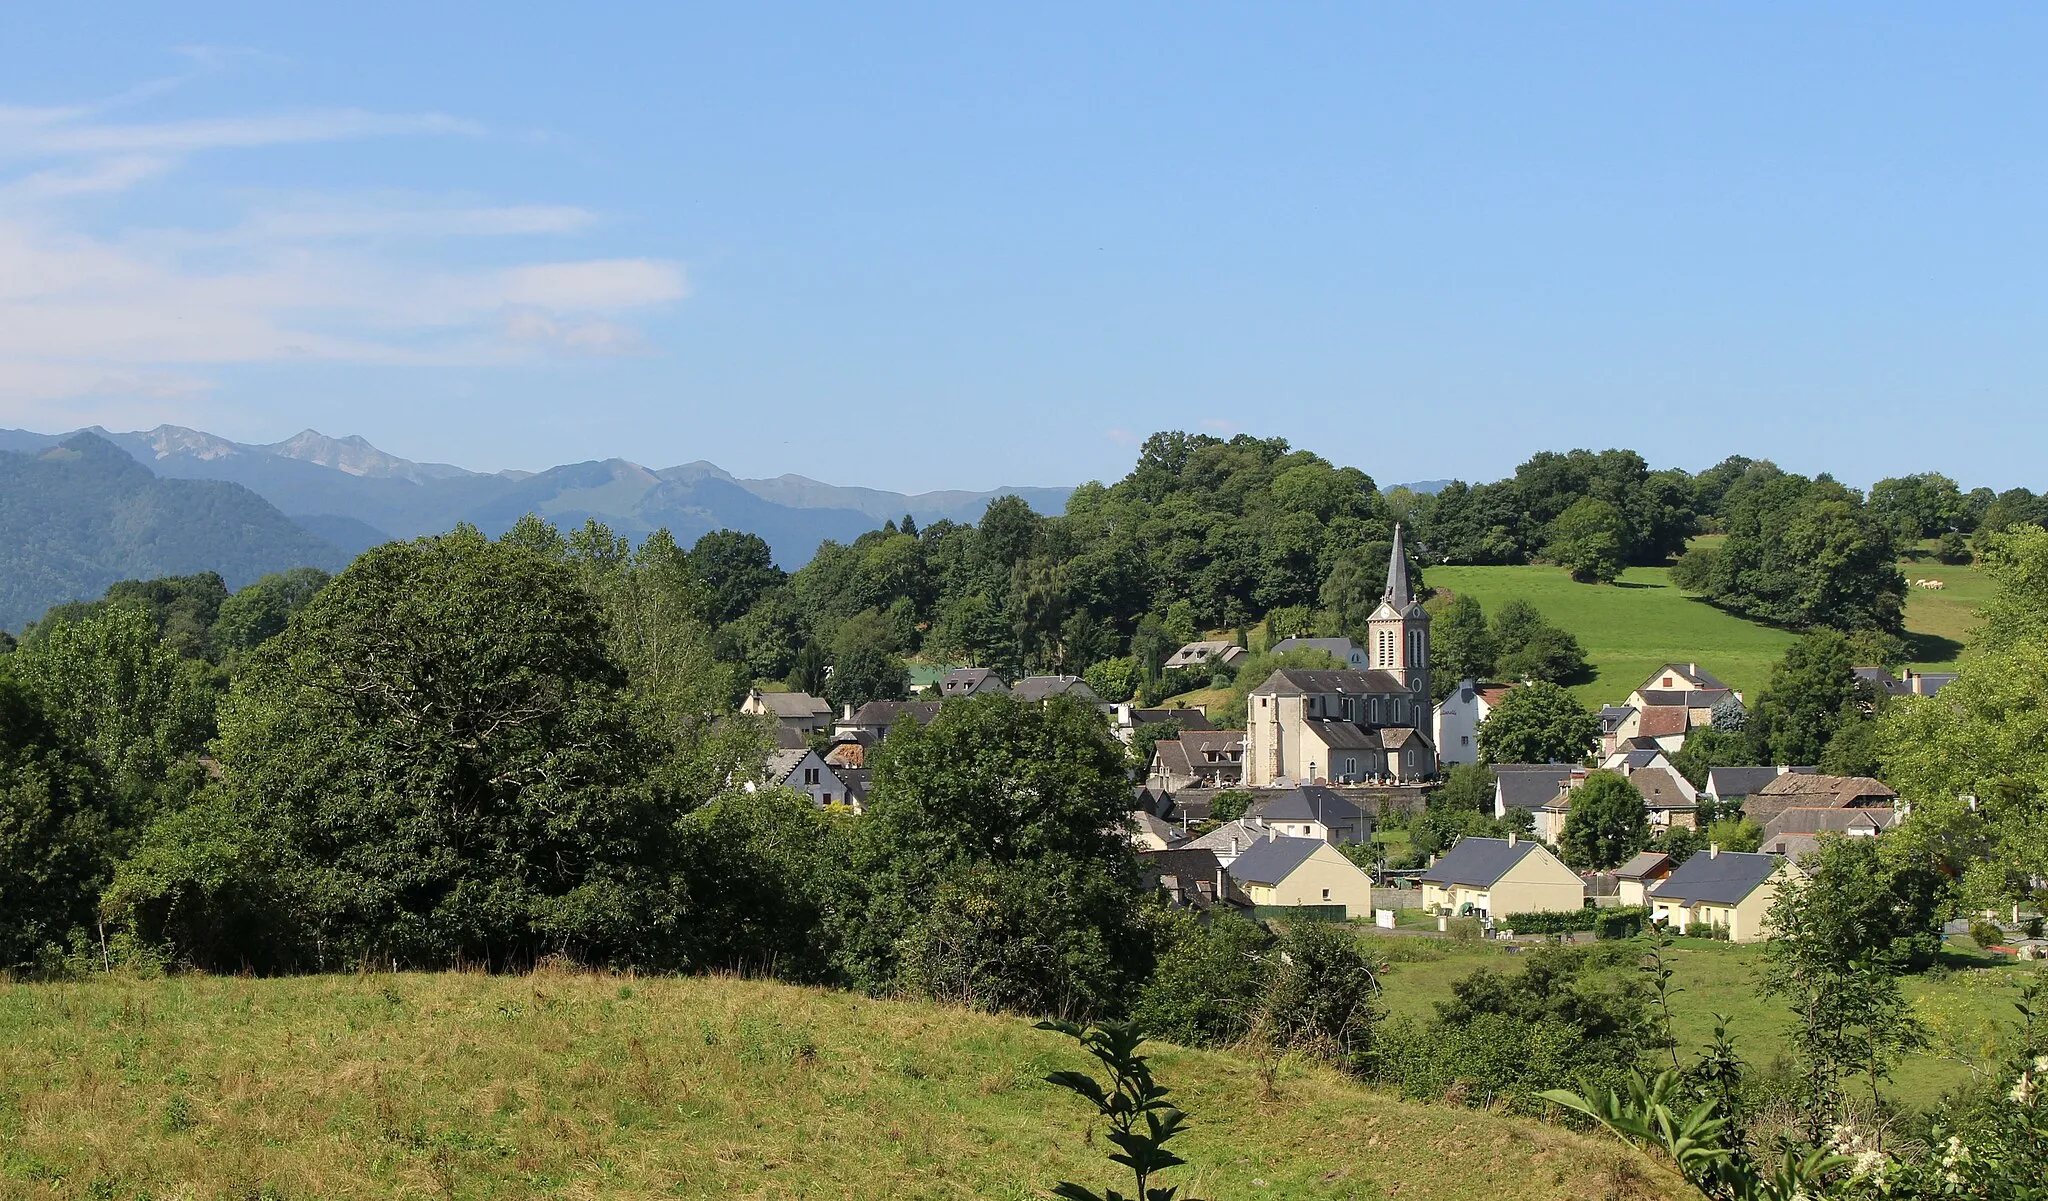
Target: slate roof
[1612, 716]
[1722, 879]
[1191, 876]
[782, 765]
[1690, 672]
[1637, 760]
[1396, 737]
[1038, 688]
[1195, 654]
[795, 704]
[1643, 866]
[1294, 681]
[1530, 785]
[1273, 860]
[1243, 832]
[1344, 735]
[857, 780]
[1924, 683]
[1478, 862]
[1159, 828]
[1186, 719]
[1309, 803]
[1807, 819]
[787, 738]
[962, 681]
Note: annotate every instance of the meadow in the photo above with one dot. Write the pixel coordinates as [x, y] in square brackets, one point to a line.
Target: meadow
[572, 1084]
[1967, 1007]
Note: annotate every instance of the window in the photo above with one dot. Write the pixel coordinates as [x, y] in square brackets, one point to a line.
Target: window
[1464, 740]
[1326, 894]
[1351, 767]
[810, 775]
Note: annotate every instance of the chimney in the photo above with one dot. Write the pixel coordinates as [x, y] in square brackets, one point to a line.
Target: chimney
[1713, 850]
[1432, 859]
[849, 712]
[1511, 838]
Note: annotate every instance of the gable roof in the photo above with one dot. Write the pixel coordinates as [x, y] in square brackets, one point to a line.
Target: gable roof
[1202, 652]
[1663, 789]
[1718, 879]
[783, 764]
[1529, 785]
[1731, 782]
[1274, 859]
[1611, 717]
[1038, 688]
[1809, 819]
[888, 713]
[1241, 833]
[1478, 862]
[794, 704]
[1296, 681]
[1309, 803]
[787, 738]
[1644, 865]
[962, 681]
[1662, 721]
[1689, 672]
[858, 780]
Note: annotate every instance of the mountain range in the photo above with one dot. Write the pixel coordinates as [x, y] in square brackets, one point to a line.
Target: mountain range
[340, 496]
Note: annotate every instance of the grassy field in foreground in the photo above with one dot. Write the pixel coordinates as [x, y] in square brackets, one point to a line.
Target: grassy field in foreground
[578, 1085]
[1963, 1011]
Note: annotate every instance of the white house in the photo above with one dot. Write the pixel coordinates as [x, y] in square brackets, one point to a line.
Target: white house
[1457, 717]
[809, 774]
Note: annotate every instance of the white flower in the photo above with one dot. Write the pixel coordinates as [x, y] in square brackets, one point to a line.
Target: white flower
[2023, 1089]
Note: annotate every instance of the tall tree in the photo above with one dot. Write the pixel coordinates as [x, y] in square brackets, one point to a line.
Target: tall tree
[1538, 723]
[737, 567]
[1606, 823]
[1811, 692]
[1587, 540]
[1461, 644]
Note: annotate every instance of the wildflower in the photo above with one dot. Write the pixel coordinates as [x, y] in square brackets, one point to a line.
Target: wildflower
[2023, 1089]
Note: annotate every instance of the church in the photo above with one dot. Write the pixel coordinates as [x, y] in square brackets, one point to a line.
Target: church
[1351, 726]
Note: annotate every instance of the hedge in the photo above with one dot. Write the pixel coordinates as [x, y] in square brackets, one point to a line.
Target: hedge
[1622, 922]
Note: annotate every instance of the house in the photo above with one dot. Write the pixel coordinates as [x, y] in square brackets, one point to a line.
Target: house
[1215, 653]
[849, 749]
[1728, 891]
[1190, 879]
[1125, 719]
[970, 681]
[1684, 684]
[875, 718]
[1198, 759]
[1343, 650]
[1231, 839]
[1454, 726]
[1312, 811]
[1911, 683]
[1661, 726]
[1640, 876]
[797, 710]
[1676, 699]
[1611, 719]
[1729, 785]
[858, 782]
[1038, 688]
[1497, 876]
[805, 772]
[1671, 799]
[1795, 790]
[1530, 786]
[1151, 833]
[1797, 831]
[1301, 871]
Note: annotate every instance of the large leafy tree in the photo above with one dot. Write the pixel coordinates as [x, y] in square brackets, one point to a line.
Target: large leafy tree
[1811, 693]
[1802, 553]
[1528, 647]
[259, 611]
[1461, 645]
[58, 839]
[1607, 822]
[991, 865]
[1588, 540]
[1538, 723]
[737, 567]
[438, 762]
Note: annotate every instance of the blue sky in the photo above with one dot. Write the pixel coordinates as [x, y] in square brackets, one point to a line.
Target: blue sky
[950, 246]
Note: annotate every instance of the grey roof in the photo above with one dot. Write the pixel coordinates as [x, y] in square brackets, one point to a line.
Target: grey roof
[1295, 681]
[1194, 653]
[782, 764]
[1244, 833]
[1342, 648]
[962, 681]
[1529, 785]
[1799, 819]
[1478, 862]
[1612, 716]
[1310, 802]
[1038, 688]
[1188, 870]
[1645, 863]
[1690, 672]
[1722, 879]
[787, 738]
[1273, 860]
[1397, 593]
[1186, 719]
[794, 704]
[1661, 789]
[1344, 735]
[1638, 759]
[857, 780]
[1928, 682]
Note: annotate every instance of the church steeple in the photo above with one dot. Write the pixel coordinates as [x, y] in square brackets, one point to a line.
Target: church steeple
[1399, 628]
[1397, 593]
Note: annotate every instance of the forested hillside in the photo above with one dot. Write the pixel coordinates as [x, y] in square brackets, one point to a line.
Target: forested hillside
[79, 516]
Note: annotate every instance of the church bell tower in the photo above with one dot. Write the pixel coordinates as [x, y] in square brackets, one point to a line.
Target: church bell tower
[1399, 629]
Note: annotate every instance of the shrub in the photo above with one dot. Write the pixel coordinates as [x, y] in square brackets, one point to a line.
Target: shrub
[1208, 982]
[1986, 934]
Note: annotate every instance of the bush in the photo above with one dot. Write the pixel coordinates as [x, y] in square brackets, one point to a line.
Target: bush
[1208, 982]
[1622, 922]
[1952, 550]
[1986, 934]
[1324, 999]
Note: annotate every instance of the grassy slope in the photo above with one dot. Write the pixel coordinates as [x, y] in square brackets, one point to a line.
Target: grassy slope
[586, 1086]
[1631, 629]
[1962, 1011]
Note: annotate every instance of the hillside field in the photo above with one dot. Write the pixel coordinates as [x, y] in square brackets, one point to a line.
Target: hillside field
[1964, 1010]
[563, 1084]
[1632, 627]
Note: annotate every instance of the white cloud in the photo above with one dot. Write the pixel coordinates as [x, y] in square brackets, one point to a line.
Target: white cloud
[96, 320]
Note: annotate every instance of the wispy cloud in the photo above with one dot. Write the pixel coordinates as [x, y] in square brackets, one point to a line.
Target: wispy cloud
[94, 317]
[1218, 425]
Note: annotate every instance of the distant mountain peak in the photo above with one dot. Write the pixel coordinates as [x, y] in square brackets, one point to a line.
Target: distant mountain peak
[355, 456]
[167, 440]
